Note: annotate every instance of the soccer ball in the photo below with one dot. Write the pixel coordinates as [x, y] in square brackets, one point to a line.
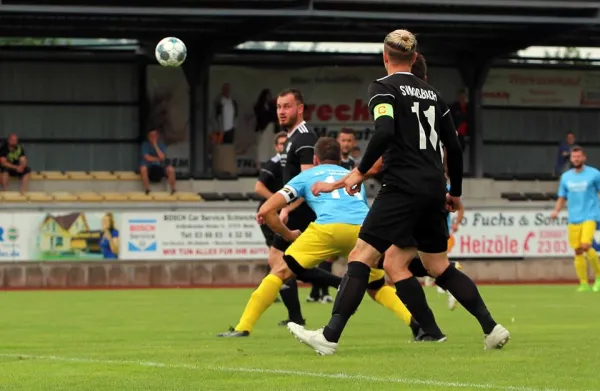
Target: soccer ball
[170, 52]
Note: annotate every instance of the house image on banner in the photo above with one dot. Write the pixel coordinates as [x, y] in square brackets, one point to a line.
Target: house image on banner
[67, 234]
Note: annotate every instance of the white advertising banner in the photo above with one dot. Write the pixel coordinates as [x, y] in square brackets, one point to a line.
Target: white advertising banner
[542, 88]
[223, 235]
[510, 234]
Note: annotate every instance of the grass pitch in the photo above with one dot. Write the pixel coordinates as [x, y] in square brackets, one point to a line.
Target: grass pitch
[165, 340]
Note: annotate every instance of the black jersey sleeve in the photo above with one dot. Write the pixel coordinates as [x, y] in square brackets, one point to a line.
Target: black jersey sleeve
[381, 105]
[267, 173]
[305, 147]
[449, 138]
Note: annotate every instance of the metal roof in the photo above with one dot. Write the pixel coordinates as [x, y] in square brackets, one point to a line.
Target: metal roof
[447, 28]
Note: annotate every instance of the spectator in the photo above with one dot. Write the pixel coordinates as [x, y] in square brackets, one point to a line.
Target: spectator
[13, 163]
[356, 155]
[265, 113]
[347, 140]
[563, 157]
[226, 112]
[154, 165]
[459, 111]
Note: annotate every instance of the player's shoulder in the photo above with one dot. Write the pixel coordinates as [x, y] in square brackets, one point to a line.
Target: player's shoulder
[592, 170]
[275, 159]
[304, 135]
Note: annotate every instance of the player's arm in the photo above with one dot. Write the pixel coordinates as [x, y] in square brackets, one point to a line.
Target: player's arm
[268, 212]
[381, 104]
[454, 153]
[325, 187]
[290, 192]
[562, 198]
[460, 213]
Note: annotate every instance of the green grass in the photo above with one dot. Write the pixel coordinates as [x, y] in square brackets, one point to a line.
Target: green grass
[165, 340]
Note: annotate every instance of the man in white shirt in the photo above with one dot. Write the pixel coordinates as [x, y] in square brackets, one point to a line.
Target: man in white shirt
[226, 112]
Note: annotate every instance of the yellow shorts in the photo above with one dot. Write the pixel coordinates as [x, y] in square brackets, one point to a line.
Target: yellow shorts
[581, 233]
[323, 241]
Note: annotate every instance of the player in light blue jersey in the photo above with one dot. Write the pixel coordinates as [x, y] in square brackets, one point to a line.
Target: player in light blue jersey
[333, 233]
[579, 189]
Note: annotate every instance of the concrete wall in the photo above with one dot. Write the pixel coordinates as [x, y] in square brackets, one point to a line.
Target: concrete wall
[32, 275]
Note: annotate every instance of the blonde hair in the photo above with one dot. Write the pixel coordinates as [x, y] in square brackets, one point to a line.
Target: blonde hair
[400, 45]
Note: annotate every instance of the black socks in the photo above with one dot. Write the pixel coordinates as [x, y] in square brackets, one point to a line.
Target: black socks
[466, 293]
[350, 294]
[412, 295]
[289, 296]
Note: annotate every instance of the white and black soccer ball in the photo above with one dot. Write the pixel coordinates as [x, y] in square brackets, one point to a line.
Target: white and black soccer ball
[170, 52]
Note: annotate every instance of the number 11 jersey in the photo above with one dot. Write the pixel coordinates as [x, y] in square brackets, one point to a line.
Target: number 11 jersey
[422, 121]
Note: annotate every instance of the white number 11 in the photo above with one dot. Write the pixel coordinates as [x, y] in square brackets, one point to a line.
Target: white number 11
[430, 115]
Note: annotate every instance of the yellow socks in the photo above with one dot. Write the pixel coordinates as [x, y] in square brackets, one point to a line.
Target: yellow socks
[581, 268]
[260, 300]
[386, 296]
[592, 257]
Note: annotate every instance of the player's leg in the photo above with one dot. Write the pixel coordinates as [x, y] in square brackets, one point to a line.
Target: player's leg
[289, 294]
[269, 237]
[410, 291]
[262, 297]
[386, 296]
[328, 267]
[588, 228]
[575, 231]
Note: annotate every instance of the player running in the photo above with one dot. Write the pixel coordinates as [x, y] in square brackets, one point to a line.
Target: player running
[334, 233]
[409, 214]
[578, 189]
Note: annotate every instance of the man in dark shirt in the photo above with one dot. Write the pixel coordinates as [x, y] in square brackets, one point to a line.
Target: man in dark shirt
[270, 181]
[13, 163]
[154, 166]
[297, 156]
[409, 214]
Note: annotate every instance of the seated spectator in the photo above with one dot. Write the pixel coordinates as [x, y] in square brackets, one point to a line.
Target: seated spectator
[154, 165]
[13, 163]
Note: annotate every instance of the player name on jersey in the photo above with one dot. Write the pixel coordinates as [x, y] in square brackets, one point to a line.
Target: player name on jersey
[420, 93]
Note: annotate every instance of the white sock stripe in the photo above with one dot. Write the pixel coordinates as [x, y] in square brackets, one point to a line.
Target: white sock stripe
[343, 376]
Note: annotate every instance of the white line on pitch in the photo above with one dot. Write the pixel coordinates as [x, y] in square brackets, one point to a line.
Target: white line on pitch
[341, 376]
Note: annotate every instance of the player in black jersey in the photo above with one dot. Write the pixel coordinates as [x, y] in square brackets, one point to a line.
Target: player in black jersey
[347, 140]
[409, 213]
[270, 181]
[297, 156]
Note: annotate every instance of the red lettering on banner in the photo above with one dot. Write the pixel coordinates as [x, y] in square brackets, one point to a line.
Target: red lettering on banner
[342, 112]
[186, 251]
[499, 245]
[169, 251]
[225, 251]
[206, 251]
[240, 251]
[142, 228]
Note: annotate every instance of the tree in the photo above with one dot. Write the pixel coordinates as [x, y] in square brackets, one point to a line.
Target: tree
[566, 55]
[29, 41]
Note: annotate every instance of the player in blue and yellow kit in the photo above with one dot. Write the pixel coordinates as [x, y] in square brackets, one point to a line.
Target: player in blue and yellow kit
[579, 189]
[333, 233]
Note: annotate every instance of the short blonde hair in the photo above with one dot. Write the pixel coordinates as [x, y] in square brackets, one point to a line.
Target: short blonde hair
[400, 45]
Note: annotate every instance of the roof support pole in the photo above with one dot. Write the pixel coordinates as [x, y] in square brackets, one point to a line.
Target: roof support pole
[474, 71]
[197, 69]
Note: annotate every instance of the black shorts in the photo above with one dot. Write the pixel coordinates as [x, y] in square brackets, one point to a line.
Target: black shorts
[268, 234]
[406, 220]
[156, 173]
[298, 219]
[15, 174]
